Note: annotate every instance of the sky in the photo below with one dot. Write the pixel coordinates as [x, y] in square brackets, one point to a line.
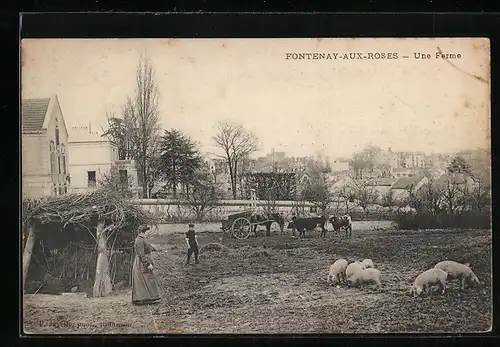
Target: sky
[332, 107]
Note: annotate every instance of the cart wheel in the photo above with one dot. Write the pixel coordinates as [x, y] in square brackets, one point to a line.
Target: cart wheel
[241, 228]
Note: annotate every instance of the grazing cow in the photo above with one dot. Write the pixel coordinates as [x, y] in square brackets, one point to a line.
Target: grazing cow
[303, 224]
[340, 223]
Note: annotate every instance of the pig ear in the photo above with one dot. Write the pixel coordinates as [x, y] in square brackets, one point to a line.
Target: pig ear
[467, 264]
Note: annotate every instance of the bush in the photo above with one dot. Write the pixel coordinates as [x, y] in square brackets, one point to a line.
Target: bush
[464, 220]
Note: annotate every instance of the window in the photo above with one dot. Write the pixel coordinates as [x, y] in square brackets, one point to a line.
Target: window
[123, 176]
[59, 164]
[52, 158]
[64, 164]
[65, 189]
[60, 190]
[52, 163]
[91, 178]
[55, 190]
[57, 135]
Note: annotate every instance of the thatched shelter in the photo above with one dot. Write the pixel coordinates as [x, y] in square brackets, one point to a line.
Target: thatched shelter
[101, 221]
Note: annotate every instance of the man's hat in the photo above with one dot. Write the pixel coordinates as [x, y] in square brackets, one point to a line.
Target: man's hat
[191, 225]
[143, 228]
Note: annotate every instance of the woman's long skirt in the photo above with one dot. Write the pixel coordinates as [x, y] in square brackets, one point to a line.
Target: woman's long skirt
[144, 285]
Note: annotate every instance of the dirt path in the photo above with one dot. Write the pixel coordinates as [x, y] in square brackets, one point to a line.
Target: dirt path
[278, 285]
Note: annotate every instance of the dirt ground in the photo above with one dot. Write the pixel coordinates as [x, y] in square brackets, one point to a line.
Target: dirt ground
[278, 284]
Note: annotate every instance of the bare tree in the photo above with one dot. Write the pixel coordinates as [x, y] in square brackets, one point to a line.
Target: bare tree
[388, 199]
[114, 182]
[452, 193]
[346, 194]
[203, 195]
[430, 195]
[142, 112]
[318, 192]
[364, 160]
[237, 144]
[480, 196]
[363, 194]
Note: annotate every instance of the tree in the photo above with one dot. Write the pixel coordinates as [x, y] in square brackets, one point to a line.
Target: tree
[143, 111]
[452, 192]
[318, 192]
[460, 166]
[480, 196]
[363, 194]
[136, 133]
[388, 199]
[203, 194]
[180, 159]
[236, 143]
[122, 133]
[346, 194]
[364, 160]
[431, 196]
[113, 181]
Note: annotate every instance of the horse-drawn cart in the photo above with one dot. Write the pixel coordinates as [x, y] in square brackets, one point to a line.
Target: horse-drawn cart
[241, 224]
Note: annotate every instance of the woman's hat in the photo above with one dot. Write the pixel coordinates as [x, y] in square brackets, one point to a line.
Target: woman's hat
[143, 228]
[191, 225]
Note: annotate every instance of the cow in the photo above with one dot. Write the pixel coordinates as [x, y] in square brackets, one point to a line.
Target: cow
[310, 223]
[340, 223]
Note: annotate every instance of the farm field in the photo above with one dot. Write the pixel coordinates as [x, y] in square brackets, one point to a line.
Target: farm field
[278, 284]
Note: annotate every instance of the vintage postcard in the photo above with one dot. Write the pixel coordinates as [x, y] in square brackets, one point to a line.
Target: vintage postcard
[291, 186]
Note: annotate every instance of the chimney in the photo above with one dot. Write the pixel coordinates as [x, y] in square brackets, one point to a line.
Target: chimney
[90, 128]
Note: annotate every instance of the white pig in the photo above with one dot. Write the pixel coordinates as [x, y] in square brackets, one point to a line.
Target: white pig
[352, 268]
[368, 263]
[336, 273]
[462, 272]
[428, 279]
[364, 276]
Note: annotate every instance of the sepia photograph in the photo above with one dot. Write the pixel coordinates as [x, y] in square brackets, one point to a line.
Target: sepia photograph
[256, 186]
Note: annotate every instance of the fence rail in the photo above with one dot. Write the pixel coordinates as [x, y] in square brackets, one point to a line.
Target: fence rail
[172, 202]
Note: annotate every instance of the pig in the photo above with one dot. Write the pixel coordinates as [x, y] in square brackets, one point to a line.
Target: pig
[336, 273]
[353, 268]
[462, 272]
[368, 263]
[364, 276]
[427, 279]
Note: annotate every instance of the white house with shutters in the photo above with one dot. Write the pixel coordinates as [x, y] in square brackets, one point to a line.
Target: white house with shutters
[91, 159]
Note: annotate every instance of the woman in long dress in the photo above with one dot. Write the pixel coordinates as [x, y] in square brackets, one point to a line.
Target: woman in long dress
[144, 282]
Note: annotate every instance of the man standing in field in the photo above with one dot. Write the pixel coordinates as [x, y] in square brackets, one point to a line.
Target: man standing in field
[192, 244]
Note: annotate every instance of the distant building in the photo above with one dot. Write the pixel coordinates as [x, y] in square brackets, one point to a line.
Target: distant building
[403, 172]
[381, 186]
[461, 181]
[412, 160]
[339, 165]
[44, 148]
[401, 187]
[92, 157]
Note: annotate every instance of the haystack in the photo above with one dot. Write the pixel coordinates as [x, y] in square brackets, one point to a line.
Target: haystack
[102, 213]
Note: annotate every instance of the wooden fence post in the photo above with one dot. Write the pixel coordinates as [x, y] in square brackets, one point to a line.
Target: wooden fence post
[28, 250]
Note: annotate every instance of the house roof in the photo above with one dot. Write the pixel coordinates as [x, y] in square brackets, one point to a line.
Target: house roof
[33, 113]
[406, 182]
[442, 181]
